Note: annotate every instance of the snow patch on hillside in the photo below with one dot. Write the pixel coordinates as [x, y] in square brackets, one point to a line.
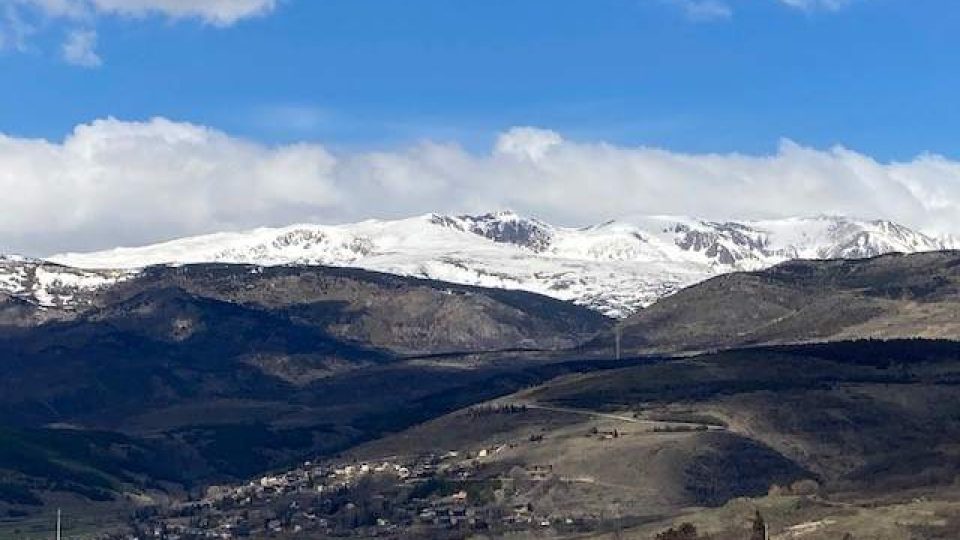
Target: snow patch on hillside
[53, 285]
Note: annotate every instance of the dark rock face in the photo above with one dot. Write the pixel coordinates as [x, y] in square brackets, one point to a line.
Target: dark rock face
[505, 228]
[727, 244]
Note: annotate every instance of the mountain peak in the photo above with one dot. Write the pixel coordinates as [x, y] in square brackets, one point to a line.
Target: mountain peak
[503, 227]
[616, 267]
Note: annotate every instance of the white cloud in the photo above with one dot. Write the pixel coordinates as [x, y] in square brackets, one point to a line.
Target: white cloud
[80, 48]
[705, 10]
[112, 182]
[527, 143]
[714, 10]
[217, 12]
[54, 8]
[14, 30]
[291, 118]
[21, 18]
[810, 5]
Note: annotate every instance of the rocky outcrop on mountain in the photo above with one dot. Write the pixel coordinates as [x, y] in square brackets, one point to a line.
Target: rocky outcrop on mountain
[504, 228]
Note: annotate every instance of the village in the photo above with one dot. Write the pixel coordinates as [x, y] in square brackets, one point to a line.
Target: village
[438, 496]
[315, 498]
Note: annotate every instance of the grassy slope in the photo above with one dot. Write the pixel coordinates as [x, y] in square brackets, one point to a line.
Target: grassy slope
[863, 420]
[893, 296]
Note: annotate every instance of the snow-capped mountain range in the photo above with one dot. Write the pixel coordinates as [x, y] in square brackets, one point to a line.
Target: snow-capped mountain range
[615, 267]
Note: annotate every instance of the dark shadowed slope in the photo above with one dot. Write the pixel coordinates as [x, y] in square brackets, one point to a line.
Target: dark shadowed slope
[201, 333]
[402, 315]
[228, 370]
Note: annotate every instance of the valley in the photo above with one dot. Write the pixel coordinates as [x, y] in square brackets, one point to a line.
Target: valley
[479, 270]
[231, 401]
[820, 438]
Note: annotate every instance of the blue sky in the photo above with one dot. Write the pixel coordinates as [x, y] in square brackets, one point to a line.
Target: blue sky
[879, 76]
[124, 122]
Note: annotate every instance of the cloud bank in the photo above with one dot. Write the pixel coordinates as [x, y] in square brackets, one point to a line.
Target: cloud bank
[112, 182]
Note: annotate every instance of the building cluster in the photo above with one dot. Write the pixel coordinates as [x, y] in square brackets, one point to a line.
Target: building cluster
[436, 494]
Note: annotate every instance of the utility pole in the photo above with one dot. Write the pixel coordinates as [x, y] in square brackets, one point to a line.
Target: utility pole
[58, 524]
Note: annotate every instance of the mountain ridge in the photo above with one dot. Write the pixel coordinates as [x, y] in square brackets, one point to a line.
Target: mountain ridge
[888, 297]
[616, 267]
